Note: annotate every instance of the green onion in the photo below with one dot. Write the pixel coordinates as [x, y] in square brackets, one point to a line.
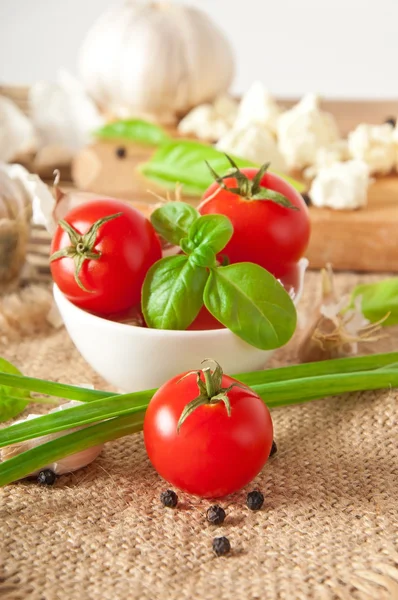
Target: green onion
[324, 367]
[27, 462]
[76, 416]
[59, 390]
[283, 393]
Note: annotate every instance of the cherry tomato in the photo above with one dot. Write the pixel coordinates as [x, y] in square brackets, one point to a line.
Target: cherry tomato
[118, 256]
[266, 233]
[213, 454]
[205, 320]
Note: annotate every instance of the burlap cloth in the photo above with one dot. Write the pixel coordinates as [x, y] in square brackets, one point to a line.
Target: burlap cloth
[328, 529]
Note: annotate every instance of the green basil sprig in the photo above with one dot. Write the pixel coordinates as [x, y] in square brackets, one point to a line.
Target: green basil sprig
[133, 130]
[184, 161]
[244, 297]
[378, 300]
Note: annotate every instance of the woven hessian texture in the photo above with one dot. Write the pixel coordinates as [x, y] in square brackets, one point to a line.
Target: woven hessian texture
[328, 529]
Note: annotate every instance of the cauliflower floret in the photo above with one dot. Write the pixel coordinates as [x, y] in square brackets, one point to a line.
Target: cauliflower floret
[258, 107]
[226, 108]
[342, 186]
[374, 144]
[210, 121]
[327, 156]
[254, 143]
[304, 129]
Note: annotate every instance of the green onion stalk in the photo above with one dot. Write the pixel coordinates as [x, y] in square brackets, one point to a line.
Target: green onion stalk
[109, 416]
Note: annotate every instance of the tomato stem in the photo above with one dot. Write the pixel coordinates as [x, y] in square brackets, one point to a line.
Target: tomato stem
[210, 391]
[82, 246]
[251, 189]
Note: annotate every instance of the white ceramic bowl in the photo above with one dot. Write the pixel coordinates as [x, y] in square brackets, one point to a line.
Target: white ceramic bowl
[136, 358]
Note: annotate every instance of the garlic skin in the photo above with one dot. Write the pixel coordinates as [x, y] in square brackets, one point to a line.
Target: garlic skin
[342, 186]
[258, 107]
[335, 330]
[304, 129]
[159, 59]
[15, 216]
[63, 114]
[14, 199]
[328, 156]
[17, 134]
[69, 464]
[253, 143]
[374, 144]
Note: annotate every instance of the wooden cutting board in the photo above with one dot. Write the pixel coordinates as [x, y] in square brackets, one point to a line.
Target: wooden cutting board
[364, 240]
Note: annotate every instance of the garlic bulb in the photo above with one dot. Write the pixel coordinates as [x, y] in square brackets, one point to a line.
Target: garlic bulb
[15, 214]
[253, 143]
[335, 330]
[63, 114]
[158, 59]
[64, 465]
[17, 134]
[304, 129]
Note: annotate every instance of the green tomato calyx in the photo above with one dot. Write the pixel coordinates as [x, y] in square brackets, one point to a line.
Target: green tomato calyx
[82, 246]
[251, 189]
[210, 390]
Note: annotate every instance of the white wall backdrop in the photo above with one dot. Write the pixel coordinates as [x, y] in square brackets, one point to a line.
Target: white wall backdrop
[339, 48]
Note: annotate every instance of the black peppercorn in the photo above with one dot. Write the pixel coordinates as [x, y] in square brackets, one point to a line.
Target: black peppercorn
[274, 448]
[306, 199]
[215, 514]
[391, 121]
[254, 500]
[121, 152]
[221, 545]
[46, 477]
[169, 498]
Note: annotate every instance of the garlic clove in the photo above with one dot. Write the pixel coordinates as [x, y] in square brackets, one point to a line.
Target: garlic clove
[17, 134]
[63, 114]
[68, 464]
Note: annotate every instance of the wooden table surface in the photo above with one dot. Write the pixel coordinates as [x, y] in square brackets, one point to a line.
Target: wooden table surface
[364, 240]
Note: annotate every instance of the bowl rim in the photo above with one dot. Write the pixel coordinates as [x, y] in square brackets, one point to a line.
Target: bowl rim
[60, 299]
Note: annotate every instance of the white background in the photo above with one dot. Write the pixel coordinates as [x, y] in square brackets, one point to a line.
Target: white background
[338, 48]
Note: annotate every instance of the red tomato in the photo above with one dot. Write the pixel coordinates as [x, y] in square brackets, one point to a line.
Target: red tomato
[205, 320]
[213, 454]
[127, 247]
[265, 233]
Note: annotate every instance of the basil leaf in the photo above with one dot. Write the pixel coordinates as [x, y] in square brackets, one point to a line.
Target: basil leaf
[172, 294]
[173, 220]
[133, 130]
[379, 299]
[252, 303]
[183, 161]
[12, 400]
[214, 231]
